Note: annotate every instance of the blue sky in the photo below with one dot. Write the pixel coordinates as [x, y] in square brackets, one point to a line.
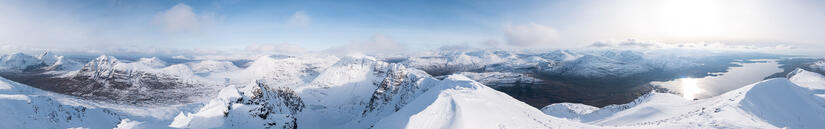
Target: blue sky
[199, 25]
[239, 23]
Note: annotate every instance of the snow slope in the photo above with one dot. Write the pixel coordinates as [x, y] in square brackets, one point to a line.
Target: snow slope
[361, 92]
[319, 92]
[773, 103]
[25, 107]
[573, 111]
[355, 88]
[810, 80]
[333, 94]
[460, 103]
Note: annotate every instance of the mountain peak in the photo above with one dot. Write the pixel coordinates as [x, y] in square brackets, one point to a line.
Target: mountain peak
[103, 61]
[18, 61]
[153, 62]
[105, 58]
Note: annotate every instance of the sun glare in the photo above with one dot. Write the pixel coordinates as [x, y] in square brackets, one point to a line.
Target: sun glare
[691, 18]
[690, 88]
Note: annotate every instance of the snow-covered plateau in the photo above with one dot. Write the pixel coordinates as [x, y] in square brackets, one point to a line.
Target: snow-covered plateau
[428, 90]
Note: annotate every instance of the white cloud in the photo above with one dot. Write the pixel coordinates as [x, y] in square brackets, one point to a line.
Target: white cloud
[629, 43]
[600, 45]
[379, 44]
[179, 18]
[25, 24]
[456, 47]
[530, 35]
[299, 19]
[284, 48]
[773, 48]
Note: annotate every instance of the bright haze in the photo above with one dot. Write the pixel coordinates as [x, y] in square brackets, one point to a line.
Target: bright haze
[183, 27]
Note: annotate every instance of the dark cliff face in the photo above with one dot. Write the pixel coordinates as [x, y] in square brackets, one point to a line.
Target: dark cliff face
[278, 107]
[397, 88]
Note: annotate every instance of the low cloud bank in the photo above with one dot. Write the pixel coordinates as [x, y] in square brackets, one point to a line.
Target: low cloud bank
[283, 48]
[774, 48]
[530, 35]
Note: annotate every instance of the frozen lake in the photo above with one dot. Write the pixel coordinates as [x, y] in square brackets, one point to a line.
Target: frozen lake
[697, 88]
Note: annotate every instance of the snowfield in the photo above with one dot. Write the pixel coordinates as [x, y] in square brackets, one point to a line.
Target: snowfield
[24, 107]
[773, 103]
[360, 92]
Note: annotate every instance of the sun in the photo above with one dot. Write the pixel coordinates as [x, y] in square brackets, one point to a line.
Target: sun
[690, 88]
[691, 18]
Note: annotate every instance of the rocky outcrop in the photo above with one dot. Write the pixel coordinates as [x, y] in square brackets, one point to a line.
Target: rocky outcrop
[397, 89]
[277, 107]
[254, 106]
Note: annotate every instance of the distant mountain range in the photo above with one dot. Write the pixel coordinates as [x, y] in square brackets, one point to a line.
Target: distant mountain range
[443, 89]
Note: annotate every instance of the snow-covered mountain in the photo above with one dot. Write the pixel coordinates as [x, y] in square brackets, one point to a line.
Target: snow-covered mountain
[503, 68]
[456, 101]
[501, 78]
[389, 95]
[253, 106]
[590, 64]
[153, 62]
[212, 66]
[142, 82]
[19, 62]
[359, 92]
[810, 80]
[24, 107]
[818, 65]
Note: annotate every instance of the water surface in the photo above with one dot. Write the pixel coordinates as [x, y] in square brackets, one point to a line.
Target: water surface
[749, 72]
